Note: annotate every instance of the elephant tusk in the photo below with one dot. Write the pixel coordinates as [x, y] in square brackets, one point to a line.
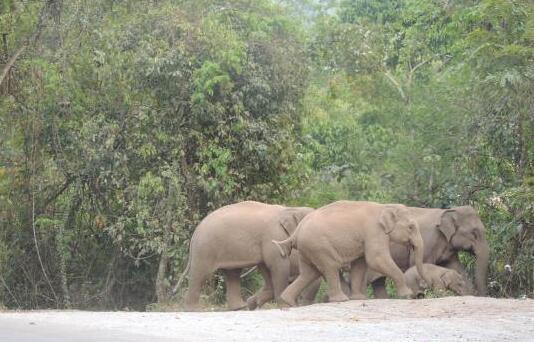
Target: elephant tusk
[249, 272]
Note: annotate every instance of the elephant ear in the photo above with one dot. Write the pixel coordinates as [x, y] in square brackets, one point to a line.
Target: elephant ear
[289, 220]
[447, 224]
[388, 218]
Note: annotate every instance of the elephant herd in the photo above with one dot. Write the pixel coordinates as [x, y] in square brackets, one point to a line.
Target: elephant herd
[294, 248]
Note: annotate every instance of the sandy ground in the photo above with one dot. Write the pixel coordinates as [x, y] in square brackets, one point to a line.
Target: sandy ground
[443, 319]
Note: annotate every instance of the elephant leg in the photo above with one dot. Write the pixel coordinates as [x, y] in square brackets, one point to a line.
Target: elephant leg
[266, 293]
[279, 268]
[379, 288]
[384, 264]
[310, 292]
[198, 275]
[279, 278]
[345, 287]
[308, 274]
[233, 289]
[335, 292]
[358, 279]
[345, 284]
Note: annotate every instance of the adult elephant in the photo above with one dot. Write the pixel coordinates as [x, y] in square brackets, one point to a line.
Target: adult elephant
[238, 236]
[445, 232]
[355, 234]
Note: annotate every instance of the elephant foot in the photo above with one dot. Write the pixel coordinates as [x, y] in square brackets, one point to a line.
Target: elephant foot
[286, 301]
[237, 306]
[338, 298]
[358, 296]
[303, 302]
[405, 293]
[252, 303]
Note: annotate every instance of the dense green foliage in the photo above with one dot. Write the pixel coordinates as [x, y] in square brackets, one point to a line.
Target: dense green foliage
[123, 123]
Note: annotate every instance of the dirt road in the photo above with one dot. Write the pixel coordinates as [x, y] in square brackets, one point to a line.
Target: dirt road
[444, 319]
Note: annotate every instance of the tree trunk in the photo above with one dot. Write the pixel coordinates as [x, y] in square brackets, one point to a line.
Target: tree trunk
[61, 251]
[161, 289]
[162, 293]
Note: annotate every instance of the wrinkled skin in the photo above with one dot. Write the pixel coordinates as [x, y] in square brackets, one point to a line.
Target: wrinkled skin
[440, 278]
[238, 236]
[354, 234]
[445, 232]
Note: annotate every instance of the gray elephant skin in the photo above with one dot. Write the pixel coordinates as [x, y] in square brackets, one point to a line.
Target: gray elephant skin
[353, 234]
[440, 278]
[445, 232]
[237, 236]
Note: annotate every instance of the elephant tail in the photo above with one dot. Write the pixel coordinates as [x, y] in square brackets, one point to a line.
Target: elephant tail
[285, 246]
[186, 271]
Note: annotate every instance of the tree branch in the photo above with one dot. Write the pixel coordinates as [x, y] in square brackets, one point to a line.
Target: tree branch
[53, 197]
[397, 85]
[412, 70]
[10, 63]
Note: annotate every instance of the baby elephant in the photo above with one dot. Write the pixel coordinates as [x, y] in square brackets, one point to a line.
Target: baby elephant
[440, 277]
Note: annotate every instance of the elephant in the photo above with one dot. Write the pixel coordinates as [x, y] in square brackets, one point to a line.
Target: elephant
[354, 233]
[237, 236]
[440, 278]
[445, 232]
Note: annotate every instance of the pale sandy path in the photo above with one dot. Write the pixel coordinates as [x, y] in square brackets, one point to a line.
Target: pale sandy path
[444, 319]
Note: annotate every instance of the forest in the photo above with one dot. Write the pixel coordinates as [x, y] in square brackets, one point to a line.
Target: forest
[123, 123]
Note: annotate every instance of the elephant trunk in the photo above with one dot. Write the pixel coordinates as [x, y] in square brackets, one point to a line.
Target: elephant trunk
[481, 251]
[418, 251]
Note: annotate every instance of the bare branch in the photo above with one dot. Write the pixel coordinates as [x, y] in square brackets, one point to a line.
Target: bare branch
[412, 70]
[397, 85]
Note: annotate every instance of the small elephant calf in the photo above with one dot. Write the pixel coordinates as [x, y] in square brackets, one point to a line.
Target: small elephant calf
[442, 278]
